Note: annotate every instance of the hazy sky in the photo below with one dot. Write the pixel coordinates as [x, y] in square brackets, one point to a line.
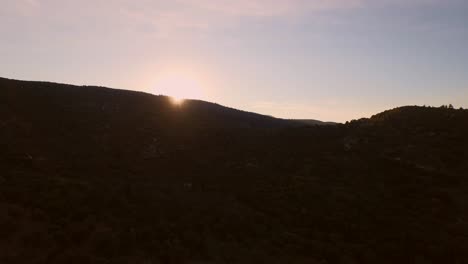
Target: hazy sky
[322, 59]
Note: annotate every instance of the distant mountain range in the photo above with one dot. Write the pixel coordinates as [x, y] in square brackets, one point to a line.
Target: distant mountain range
[98, 175]
[314, 122]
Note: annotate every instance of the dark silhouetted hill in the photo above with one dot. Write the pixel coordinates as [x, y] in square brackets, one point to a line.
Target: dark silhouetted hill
[96, 175]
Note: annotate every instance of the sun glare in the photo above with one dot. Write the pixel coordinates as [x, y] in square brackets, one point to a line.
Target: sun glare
[177, 100]
[179, 86]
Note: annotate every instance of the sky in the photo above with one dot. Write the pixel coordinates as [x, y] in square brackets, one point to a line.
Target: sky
[332, 60]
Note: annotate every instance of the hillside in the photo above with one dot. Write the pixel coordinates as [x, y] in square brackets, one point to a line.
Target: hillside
[97, 175]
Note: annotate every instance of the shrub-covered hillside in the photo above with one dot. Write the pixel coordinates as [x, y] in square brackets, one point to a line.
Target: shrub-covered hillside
[95, 175]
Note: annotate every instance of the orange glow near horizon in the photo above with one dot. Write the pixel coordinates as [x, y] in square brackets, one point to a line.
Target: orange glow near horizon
[177, 100]
[179, 86]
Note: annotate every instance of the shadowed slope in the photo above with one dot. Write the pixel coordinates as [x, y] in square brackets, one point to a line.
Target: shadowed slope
[95, 175]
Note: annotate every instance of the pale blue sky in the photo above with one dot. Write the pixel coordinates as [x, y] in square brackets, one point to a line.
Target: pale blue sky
[330, 60]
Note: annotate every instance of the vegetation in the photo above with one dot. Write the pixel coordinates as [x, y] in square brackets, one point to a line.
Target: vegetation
[94, 175]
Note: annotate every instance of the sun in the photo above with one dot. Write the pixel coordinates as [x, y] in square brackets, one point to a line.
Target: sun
[179, 86]
[177, 100]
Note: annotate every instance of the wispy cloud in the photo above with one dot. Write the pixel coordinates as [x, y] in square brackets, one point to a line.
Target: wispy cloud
[215, 14]
[170, 16]
[269, 8]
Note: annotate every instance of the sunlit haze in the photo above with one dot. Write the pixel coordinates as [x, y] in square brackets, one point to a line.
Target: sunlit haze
[330, 60]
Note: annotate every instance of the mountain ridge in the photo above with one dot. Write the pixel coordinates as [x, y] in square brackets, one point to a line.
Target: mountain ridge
[188, 103]
[102, 176]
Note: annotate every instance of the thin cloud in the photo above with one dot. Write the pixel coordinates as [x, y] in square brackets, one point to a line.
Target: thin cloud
[162, 18]
[269, 8]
